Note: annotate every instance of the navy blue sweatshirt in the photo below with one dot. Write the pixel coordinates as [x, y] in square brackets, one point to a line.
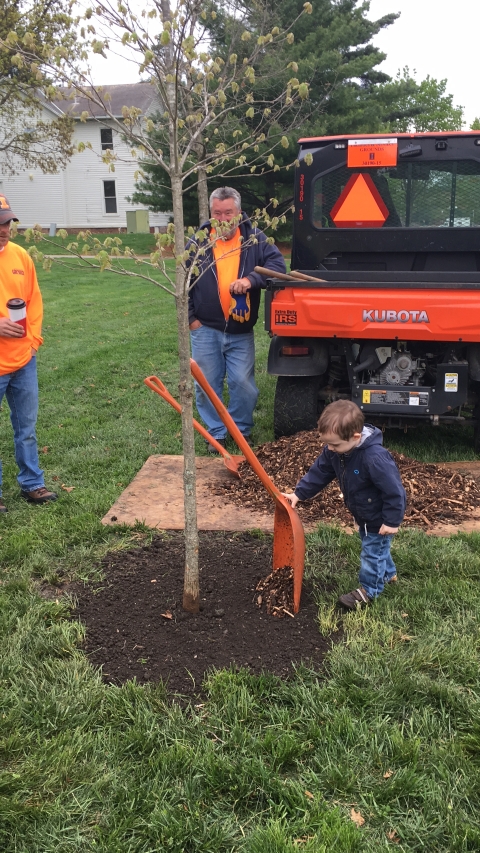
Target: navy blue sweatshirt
[204, 299]
[369, 480]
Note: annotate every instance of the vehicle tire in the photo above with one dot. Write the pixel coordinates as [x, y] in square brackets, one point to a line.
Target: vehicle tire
[296, 405]
[476, 431]
[476, 440]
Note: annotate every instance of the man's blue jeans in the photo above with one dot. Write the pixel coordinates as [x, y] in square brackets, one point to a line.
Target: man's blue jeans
[376, 564]
[220, 355]
[21, 390]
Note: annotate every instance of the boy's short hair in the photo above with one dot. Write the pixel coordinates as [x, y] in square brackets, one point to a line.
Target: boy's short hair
[343, 418]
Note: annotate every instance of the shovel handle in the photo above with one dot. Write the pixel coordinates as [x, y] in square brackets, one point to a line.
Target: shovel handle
[293, 276]
[237, 435]
[155, 384]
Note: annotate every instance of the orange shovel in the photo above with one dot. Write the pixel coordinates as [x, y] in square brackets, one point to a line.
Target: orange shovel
[155, 384]
[288, 535]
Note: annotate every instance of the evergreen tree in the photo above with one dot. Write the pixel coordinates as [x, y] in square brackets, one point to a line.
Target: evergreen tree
[333, 51]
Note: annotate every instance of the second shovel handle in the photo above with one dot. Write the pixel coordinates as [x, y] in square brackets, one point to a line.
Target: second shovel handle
[286, 276]
[155, 384]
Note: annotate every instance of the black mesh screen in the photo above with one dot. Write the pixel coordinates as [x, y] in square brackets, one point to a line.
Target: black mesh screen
[429, 194]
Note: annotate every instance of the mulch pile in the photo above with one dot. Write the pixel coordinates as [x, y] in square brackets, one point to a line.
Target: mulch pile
[435, 495]
[275, 592]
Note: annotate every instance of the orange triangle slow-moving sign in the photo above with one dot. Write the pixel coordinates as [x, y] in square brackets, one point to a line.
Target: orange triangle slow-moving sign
[360, 205]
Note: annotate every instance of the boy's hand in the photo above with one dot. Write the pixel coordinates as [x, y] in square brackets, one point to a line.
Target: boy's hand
[291, 496]
[386, 531]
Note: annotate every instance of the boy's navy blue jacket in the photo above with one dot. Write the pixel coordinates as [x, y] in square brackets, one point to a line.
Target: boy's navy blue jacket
[369, 479]
[204, 300]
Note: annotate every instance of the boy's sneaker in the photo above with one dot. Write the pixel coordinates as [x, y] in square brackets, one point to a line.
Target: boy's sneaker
[393, 579]
[354, 600]
[39, 496]
[3, 508]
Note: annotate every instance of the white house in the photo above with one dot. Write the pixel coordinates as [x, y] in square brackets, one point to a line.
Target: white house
[86, 194]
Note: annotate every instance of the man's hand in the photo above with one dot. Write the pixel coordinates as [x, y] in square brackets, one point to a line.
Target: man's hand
[195, 325]
[240, 285]
[291, 496]
[386, 531]
[9, 329]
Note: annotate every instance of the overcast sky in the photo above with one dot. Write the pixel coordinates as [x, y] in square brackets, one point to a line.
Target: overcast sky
[436, 37]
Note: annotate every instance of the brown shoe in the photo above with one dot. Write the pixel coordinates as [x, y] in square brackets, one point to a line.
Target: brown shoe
[3, 508]
[39, 496]
[354, 600]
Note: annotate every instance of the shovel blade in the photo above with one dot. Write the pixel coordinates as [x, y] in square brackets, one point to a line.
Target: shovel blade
[289, 547]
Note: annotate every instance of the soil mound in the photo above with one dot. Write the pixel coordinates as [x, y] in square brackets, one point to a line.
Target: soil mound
[136, 627]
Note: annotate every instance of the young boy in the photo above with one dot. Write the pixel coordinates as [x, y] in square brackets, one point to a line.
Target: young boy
[372, 490]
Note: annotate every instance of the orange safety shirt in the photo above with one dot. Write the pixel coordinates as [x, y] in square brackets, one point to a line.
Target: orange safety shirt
[19, 279]
[227, 262]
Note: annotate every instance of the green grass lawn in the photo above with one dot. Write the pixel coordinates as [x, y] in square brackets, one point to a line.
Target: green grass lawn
[391, 730]
[141, 244]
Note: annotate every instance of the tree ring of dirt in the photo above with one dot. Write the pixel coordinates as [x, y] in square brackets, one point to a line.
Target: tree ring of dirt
[136, 627]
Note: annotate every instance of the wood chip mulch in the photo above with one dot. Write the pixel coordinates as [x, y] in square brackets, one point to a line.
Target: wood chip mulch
[435, 495]
[275, 593]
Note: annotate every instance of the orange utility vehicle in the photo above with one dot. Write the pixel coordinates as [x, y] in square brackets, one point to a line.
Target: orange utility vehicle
[390, 225]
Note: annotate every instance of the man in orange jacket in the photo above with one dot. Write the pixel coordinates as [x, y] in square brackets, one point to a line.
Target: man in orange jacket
[18, 350]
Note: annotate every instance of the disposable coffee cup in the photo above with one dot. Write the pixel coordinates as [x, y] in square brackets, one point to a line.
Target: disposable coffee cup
[17, 311]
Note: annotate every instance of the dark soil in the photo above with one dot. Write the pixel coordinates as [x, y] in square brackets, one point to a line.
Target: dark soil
[136, 627]
[435, 495]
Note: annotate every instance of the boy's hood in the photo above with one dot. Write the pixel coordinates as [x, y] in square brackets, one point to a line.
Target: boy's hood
[370, 435]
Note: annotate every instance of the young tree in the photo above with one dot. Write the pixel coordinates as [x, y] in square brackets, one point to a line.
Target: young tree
[211, 120]
[26, 140]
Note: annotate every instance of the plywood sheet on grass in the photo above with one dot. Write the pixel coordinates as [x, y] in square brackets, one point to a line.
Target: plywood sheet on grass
[155, 497]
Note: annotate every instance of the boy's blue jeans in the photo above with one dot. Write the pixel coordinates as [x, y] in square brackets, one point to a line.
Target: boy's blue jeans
[21, 390]
[376, 564]
[220, 355]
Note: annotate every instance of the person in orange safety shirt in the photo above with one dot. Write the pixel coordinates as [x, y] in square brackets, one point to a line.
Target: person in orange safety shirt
[18, 367]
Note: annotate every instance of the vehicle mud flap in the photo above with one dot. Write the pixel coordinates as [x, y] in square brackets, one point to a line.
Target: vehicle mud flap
[296, 405]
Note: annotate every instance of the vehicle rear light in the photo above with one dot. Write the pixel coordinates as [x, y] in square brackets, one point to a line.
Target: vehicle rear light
[295, 351]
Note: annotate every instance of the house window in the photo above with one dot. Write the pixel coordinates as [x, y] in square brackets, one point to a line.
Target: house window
[110, 196]
[106, 138]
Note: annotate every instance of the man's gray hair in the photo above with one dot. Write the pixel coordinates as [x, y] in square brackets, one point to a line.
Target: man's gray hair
[222, 193]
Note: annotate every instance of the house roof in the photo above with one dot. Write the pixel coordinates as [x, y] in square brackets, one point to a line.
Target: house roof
[139, 95]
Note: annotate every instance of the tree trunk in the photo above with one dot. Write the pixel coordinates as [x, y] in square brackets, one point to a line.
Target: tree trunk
[202, 184]
[203, 206]
[191, 587]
